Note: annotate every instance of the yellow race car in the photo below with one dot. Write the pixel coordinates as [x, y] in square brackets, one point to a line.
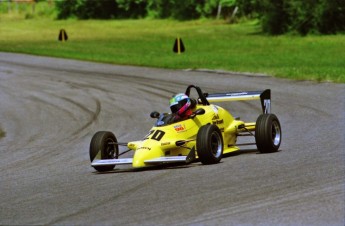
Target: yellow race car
[208, 133]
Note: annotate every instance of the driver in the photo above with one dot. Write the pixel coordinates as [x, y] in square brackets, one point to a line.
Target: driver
[181, 106]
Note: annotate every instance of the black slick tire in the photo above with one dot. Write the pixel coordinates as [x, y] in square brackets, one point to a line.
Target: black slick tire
[209, 144]
[268, 133]
[105, 143]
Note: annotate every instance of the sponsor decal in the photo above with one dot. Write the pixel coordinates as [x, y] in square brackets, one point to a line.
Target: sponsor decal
[165, 143]
[215, 109]
[217, 122]
[236, 94]
[215, 117]
[144, 148]
[179, 128]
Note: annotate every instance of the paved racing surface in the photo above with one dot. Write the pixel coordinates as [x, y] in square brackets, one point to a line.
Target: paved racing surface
[50, 108]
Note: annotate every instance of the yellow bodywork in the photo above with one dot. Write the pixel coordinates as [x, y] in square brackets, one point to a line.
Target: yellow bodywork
[179, 138]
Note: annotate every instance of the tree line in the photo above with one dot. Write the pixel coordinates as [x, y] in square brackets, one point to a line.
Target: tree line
[275, 16]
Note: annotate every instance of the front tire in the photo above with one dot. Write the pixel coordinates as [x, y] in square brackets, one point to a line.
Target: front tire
[209, 144]
[268, 133]
[106, 143]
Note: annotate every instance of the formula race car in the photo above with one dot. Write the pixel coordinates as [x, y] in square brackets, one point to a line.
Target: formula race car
[206, 135]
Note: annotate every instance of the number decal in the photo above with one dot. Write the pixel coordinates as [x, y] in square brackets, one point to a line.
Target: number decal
[155, 135]
[148, 135]
[267, 104]
[158, 135]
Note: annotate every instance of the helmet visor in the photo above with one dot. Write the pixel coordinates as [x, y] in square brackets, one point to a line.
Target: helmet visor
[176, 106]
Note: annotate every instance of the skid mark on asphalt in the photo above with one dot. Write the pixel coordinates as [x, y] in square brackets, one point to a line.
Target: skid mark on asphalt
[94, 114]
[112, 199]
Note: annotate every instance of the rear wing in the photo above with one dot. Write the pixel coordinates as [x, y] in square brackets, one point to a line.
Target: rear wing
[264, 96]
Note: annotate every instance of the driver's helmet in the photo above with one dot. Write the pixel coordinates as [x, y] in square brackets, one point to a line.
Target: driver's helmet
[180, 103]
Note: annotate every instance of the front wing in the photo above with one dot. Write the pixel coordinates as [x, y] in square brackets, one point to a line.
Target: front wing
[161, 160]
[124, 161]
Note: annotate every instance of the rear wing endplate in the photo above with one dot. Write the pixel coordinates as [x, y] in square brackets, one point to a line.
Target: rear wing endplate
[264, 96]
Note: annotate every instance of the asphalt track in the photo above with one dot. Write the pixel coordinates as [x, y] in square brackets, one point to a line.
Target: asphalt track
[50, 108]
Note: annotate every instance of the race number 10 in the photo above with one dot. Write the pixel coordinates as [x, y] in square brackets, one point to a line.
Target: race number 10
[155, 135]
[267, 105]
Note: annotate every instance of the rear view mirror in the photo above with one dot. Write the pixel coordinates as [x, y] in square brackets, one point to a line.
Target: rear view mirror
[154, 114]
[199, 111]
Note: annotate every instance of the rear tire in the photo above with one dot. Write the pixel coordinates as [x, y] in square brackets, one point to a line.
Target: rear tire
[209, 144]
[105, 143]
[268, 133]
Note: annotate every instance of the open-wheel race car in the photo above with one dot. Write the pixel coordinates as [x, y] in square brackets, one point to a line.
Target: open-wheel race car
[208, 133]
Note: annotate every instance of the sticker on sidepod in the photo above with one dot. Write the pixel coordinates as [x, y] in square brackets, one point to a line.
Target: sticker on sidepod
[165, 143]
[215, 117]
[179, 128]
[215, 109]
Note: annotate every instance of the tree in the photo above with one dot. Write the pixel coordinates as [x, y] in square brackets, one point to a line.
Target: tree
[105, 9]
[276, 16]
[303, 16]
[332, 17]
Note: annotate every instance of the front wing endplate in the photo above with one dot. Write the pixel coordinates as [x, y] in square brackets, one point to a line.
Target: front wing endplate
[107, 162]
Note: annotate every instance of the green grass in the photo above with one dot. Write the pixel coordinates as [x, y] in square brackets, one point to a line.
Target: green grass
[209, 44]
[2, 133]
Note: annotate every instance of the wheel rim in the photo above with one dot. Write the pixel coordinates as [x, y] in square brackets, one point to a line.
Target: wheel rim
[110, 149]
[216, 144]
[276, 133]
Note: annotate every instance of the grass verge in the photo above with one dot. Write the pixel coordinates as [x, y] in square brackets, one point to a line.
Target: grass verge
[2, 133]
[209, 44]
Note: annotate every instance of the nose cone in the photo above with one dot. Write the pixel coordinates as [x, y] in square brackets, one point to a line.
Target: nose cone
[148, 150]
